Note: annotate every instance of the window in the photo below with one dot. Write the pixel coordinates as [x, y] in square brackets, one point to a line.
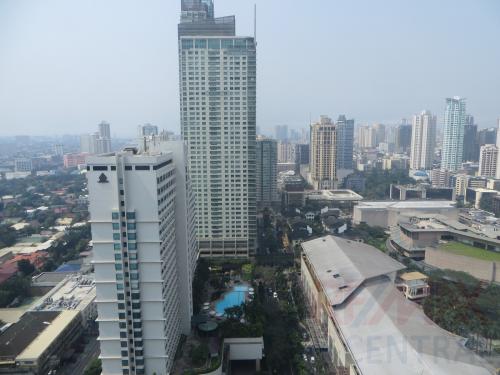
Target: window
[124, 353]
[134, 276]
[142, 167]
[121, 315]
[113, 167]
[128, 167]
[131, 226]
[121, 306]
[121, 296]
[123, 335]
[118, 267]
[136, 305]
[100, 168]
[200, 43]
[187, 43]
[119, 276]
[116, 236]
[117, 246]
[123, 344]
[118, 257]
[133, 266]
[132, 236]
[115, 215]
[132, 246]
[119, 286]
[124, 362]
[130, 215]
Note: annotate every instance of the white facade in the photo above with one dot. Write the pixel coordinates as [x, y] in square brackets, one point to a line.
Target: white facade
[488, 158]
[218, 122]
[323, 152]
[286, 152]
[423, 140]
[453, 137]
[97, 143]
[140, 259]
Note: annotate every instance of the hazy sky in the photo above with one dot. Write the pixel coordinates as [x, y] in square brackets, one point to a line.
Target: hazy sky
[65, 65]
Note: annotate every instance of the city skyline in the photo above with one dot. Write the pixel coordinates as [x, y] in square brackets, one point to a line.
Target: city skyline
[107, 74]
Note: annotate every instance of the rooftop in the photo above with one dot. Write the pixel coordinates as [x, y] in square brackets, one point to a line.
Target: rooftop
[334, 195]
[410, 276]
[343, 265]
[405, 204]
[75, 292]
[19, 335]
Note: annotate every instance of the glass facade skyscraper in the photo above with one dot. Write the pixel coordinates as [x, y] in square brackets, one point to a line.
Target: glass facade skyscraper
[218, 122]
[453, 138]
[345, 141]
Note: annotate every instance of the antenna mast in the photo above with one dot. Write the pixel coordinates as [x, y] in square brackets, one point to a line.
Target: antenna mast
[255, 22]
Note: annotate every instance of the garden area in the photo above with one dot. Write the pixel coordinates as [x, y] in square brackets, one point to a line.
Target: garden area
[470, 251]
[268, 310]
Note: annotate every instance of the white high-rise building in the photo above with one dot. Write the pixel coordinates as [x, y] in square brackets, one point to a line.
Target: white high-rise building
[488, 158]
[497, 175]
[453, 137]
[323, 152]
[423, 141]
[218, 122]
[367, 137]
[97, 143]
[143, 259]
[286, 152]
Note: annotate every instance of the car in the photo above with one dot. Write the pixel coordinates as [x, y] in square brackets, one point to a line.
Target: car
[275, 295]
[305, 357]
[312, 359]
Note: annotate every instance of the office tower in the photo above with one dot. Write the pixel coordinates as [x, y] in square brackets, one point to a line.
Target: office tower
[471, 147]
[97, 143]
[147, 130]
[104, 130]
[286, 152]
[423, 140]
[267, 150]
[323, 170]
[403, 137]
[281, 132]
[488, 156]
[23, 165]
[487, 136]
[302, 153]
[218, 109]
[453, 137]
[345, 142]
[379, 133]
[142, 262]
[58, 150]
[367, 137]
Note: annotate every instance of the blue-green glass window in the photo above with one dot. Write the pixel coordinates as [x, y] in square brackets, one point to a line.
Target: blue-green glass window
[132, 236]
[119, 286]
[124, 362]
[117, 246]
[133, 256]
[116, 226]
[131, 226]
[133, 266]
[227, 43]
[118, 267]
[130, 215]
[134, 276]
[214, 43]
[187, 43]
[119, 276]
[115, 215]
[240, 43]
[116, 236]
[200, 43]
[132, 246]
[121, 296]
[118, 256]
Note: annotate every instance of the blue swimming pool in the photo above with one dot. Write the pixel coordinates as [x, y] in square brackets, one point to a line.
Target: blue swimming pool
[235, 297]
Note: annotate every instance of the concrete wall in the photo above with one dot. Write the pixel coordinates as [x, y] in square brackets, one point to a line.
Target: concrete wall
[481, 269]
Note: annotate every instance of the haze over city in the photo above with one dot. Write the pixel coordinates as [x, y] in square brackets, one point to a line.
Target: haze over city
[65, 66]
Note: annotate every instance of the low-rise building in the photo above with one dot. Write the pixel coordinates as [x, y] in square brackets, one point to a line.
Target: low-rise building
[387, 213]
[421, 191]
[370, 327]
[333, 198]
[413, 285]
[473, 196]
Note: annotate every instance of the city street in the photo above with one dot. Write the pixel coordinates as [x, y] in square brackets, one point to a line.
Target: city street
[90, 352]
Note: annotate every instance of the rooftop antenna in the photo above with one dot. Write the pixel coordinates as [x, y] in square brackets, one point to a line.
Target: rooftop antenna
[255, 23]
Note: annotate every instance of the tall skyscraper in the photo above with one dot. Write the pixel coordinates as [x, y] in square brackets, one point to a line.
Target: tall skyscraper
[367, 137]
[488, 158]
[147, 130]
[218, 122]
[267, 151]
[345, 142]
[403, 137]
[423, 140]
[144, 257]
[323, 165]
[453, 136]
[487, 136]
[286, 152]
[281, 132]
[97, 143]
[380, 136]
[471, 146]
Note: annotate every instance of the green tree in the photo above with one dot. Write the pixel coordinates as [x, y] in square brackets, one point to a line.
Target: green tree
[94, 368]
[25, 267]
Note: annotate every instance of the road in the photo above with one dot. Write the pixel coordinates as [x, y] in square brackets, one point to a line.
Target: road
[90, 352]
